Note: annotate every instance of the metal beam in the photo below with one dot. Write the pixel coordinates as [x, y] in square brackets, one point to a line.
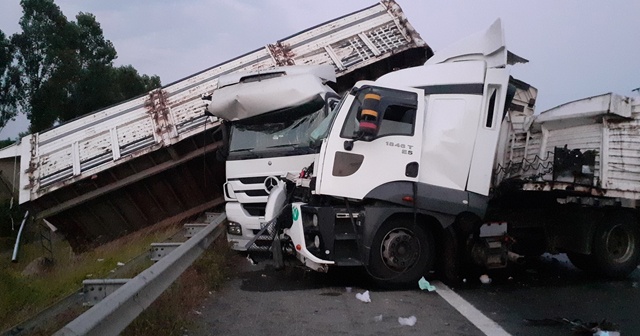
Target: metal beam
[125, 181]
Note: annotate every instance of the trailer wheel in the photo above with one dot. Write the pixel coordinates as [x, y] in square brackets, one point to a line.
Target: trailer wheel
[616, 249]
[401, 253]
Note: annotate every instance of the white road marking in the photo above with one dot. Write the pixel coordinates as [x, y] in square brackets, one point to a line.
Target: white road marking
[481, 321]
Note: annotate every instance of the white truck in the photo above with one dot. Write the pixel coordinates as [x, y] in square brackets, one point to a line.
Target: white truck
[269, 115]
[412, 175]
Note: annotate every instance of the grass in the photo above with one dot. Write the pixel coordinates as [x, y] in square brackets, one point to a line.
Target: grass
[176, 309]
[23, 296]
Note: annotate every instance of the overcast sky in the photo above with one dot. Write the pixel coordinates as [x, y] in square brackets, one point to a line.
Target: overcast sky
[576, 48]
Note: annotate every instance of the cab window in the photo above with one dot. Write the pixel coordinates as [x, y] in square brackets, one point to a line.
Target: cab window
[396, 112]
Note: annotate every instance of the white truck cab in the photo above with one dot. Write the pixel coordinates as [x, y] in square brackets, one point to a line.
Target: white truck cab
[269, 115]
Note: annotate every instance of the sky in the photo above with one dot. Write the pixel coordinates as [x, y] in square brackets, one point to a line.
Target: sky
[576, 48]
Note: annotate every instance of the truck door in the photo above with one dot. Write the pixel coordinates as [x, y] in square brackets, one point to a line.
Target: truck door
[376, 138]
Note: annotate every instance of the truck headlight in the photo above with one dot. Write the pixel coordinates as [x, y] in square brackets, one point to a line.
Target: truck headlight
[314, 220]
[234, 229]
[316, 242]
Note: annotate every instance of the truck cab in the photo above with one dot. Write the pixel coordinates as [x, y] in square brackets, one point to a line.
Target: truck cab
[268, 115]
[405, 157]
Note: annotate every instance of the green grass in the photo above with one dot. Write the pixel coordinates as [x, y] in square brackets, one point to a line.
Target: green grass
[23, 296]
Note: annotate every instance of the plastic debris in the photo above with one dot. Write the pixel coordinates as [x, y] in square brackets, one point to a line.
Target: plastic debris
[197, 312]
[120, 263]
[100, 260]
[485, 279]
[348, 289]
[425, 285]
[364, 297]
[250, 260]
[407, 321]
[378, 318]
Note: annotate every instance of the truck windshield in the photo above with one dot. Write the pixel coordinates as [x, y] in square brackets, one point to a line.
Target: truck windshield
[279, 133]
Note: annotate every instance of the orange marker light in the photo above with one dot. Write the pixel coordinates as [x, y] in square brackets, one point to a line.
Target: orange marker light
[298, 247]
[408, 199]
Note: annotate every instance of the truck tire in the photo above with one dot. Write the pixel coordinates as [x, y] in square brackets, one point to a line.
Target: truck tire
[581, 261]
[401, 253]
[616, 249]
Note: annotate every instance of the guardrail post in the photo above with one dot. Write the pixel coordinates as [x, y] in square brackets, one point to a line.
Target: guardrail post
[95, 290]
[159, 250]
[191, 229]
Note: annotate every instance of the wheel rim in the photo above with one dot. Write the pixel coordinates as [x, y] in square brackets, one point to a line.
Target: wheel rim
[400, 249]
[620, 243]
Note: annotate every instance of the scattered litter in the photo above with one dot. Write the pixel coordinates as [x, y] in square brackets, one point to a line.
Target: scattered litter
[464, 280]
[485, 279]
[251, 261]
[378, 318]
[264, 275]
[112, 271]
[120, 263]
[197, 312]
[425, 285]
[100, 260]
[407, 321]
[349, 289]
[89, 276]
[364, 297]
[510, 278]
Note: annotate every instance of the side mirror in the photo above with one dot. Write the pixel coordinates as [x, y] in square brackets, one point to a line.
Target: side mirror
[369, 117]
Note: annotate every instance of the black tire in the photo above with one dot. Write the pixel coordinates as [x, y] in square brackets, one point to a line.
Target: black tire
[581, 261]
[401, 253]
[616, 245]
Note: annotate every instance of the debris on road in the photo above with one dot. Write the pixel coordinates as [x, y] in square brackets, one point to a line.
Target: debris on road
[120, 263]
[348, 289]
[251, 261]
[378, 318]
[606, 333]
[364, 297]
[485, 279]
[425, 285]
[407, 321]
[604, 328]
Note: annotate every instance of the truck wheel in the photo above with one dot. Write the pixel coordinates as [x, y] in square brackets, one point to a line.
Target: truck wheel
[401, 253]
[581, 261]
[616, 249]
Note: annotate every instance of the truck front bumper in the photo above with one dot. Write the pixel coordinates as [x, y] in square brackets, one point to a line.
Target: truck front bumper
[296, 233]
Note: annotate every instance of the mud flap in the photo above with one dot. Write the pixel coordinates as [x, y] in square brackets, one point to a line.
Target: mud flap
[450, 262]
[276, 251]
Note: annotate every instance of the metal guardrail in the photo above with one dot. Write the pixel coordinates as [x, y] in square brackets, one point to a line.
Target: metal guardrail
[111, 315]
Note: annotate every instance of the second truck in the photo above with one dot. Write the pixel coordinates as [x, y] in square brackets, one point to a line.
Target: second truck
[412, 174]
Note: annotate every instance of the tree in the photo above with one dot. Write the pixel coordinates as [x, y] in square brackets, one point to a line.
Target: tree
[9, 82]
[67, 67]
[45, 60]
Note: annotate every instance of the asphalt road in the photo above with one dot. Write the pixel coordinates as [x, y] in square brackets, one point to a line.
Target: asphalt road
[526, 300]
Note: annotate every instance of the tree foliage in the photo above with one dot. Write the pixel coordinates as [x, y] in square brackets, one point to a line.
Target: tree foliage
[67, 67]
[9, 82]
